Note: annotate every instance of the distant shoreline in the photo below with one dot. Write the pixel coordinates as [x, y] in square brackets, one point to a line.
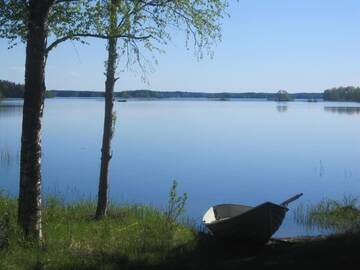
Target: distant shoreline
[12, 90]
[150, 94]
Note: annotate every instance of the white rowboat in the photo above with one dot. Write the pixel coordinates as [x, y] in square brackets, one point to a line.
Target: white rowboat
[246, 223]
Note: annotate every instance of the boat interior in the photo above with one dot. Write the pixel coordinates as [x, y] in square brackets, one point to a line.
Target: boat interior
[224, 211]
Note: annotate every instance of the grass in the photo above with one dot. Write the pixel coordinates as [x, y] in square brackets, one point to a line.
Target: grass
[330, 216]
[142, 237]
[73, 239]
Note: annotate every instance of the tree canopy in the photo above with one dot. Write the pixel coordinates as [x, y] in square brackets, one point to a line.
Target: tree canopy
[65, 19]
[149, 21]
[349, 93]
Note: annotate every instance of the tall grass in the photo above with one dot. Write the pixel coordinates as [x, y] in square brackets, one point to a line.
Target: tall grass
[330, 216]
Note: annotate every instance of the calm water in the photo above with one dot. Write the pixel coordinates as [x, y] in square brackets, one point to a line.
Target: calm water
[220, 152]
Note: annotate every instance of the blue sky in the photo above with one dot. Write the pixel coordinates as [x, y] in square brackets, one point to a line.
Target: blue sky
[267, 45]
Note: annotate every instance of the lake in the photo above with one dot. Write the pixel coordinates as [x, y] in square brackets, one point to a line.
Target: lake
[239, 151]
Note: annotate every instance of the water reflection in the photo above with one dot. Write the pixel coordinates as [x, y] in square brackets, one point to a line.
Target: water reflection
[8, 109]
[281, 108]
[8, 159]
[342, 109]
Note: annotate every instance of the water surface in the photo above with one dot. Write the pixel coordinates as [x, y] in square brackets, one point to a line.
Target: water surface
[243, 152]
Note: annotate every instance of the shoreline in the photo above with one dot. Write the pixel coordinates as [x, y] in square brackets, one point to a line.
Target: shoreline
[140, 237]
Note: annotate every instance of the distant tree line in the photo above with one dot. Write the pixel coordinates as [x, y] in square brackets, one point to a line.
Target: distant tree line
[16, 90]
[74, 93]
[11, 90]
[181, 94]
[349, 93]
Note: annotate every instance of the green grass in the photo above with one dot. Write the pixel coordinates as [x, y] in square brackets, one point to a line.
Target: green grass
[142, 237]
[330, 216]
[73, 239]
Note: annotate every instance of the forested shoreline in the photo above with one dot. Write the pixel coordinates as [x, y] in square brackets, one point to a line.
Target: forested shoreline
[349, 93]
[13, 90]
[151, 94]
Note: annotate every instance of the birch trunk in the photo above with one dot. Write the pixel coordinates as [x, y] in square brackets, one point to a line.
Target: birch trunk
[29, 211]
[108, 120]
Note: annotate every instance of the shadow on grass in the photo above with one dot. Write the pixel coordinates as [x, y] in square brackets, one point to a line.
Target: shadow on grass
[208, 253]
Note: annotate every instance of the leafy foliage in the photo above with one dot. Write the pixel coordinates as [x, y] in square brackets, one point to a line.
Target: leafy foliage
[141, 23]
[13, 21]
[65, 19]
[150, 24]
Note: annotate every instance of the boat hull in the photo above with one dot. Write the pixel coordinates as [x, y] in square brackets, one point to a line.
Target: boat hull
[256, 224]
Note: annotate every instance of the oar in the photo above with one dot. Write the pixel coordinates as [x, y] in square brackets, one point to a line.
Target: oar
[291, 199]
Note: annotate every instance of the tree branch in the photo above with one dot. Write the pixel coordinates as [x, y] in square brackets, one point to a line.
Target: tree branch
[86, 35]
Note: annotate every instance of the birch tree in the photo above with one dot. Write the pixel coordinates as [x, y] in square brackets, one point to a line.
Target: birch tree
[149, 25]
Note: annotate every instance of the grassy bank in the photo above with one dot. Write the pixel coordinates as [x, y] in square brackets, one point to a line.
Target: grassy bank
[141, 237]
[130, 235]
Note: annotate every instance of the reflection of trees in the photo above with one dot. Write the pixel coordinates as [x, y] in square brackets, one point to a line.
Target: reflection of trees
[10, 109]
[343, 110]
[281, 108]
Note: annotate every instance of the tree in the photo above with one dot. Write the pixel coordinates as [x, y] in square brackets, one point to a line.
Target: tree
[109, 117]
[36, 22]
[32, 22]
[145, 24]
[282, 95]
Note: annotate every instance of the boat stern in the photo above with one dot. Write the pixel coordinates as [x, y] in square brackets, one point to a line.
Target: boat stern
[209, 216]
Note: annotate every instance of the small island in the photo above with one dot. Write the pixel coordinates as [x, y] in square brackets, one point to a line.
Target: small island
[281, 96]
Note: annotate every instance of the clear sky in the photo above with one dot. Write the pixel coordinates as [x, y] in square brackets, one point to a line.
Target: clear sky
[295, 45]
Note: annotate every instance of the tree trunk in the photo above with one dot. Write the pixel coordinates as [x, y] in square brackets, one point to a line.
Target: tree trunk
[108, 123]
[29, 211]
